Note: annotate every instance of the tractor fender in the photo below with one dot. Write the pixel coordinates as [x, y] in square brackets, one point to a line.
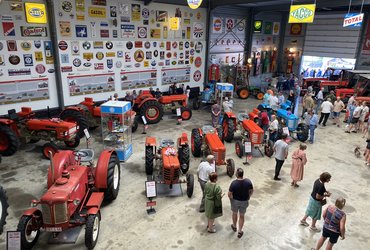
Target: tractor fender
[94, 202]
[32, 212]
[60, 159]
[230, 115]
[145, 100]
[252, 116]
[150, 141]
[93, 210]
[102, 169]
[6, 122]
[183, 140]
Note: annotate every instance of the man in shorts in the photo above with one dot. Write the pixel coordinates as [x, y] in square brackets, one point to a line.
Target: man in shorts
[355, 117]
[338, 107]
[240, 191]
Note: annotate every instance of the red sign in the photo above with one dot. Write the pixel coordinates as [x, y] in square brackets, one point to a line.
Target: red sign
[151, 203]
[198, 62]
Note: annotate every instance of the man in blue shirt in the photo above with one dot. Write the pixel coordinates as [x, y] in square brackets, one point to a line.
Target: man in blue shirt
[313, 124]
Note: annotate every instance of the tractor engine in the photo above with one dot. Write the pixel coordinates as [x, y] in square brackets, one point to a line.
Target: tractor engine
[216, 148]
[62, 199]
[53, 128]
[171, 165]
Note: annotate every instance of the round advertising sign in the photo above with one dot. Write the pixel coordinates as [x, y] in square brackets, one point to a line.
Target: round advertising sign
[40, 68]
[198, 62]
[63, 45]
[194, 4]
[197, 76]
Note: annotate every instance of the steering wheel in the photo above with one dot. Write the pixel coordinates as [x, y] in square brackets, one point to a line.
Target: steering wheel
[80, 153]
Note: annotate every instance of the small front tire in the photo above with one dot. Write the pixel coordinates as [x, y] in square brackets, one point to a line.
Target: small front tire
[29, 237]
[92, 230]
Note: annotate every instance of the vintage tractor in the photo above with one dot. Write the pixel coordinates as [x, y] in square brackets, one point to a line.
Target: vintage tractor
[76, 190]
[152, 109]
[361, 88]
[291, 121]
[169, 161]
[3, 208]
[207, 140]
[87, 115]
[242, 86]
[213, 93]
[24, 127]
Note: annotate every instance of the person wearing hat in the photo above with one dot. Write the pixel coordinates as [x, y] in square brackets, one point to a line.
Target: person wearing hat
[204, 169]
[326, 108]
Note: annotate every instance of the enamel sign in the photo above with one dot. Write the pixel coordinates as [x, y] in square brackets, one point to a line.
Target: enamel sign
[194, 4]
[302, 13]
[353, 20]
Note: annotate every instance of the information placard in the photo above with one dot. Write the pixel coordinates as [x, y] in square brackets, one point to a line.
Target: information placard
[13, 240]
[248, 147]
[150, 189]
[286, 131]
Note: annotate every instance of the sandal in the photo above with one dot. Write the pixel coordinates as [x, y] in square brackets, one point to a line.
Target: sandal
[296, 185]
[233, 227]
[315, 229]
[304, 223]
[240, 234]
[211, 231]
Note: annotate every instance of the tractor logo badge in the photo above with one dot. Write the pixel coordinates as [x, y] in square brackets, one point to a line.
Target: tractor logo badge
[301, 13]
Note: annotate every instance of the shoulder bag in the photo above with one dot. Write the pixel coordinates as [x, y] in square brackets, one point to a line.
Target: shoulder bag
[217, 209]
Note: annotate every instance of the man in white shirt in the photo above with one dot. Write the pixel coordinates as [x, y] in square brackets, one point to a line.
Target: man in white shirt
[273, 102]
[227, 105]
[274, 126]
[320, 99]
[337, 109]
[351, 100]
[204, 169]
[355, 118]
[326, 109]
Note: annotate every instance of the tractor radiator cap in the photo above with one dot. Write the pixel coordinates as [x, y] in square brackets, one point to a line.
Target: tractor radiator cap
[65, 174]
[61, 181]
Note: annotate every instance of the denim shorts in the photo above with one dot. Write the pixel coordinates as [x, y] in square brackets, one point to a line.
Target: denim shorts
[239, 206]
[336, 114]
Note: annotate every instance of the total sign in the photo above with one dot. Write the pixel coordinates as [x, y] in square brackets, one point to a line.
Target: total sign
[353, 20]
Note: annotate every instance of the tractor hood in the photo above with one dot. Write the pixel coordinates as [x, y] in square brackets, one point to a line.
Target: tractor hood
[170, 158]
[214, 142]
[52, 124]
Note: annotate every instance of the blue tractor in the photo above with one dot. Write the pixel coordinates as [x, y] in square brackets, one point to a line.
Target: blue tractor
[291, 121]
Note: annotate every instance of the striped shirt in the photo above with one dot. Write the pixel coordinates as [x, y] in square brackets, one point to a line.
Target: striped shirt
[332, 219]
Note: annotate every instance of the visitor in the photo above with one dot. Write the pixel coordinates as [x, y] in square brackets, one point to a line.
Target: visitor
[204, 169]
[312, 125]
[281, 153]
[226, 105]
[337, 109]
[299, 159]
[215, 114]
[319, 99]
[364, 114]
[157, 93]
[326, 108]
[355, 118]
[274, 127]
[213, 200]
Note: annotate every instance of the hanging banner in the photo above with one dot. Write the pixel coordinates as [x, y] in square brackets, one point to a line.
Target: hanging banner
[194, 4]
[353, 20]
[217, 25]
[302, 13]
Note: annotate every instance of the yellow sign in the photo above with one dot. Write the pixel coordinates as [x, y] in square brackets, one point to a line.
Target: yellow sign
[174, 23]
[35, 13]
[97, 12]
[302, 13]
[194, 4]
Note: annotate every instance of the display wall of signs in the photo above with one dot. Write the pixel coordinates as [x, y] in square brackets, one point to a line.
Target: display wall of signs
[302, 13]
[353, 20]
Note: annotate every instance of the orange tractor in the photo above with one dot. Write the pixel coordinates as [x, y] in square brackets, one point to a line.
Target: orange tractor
[24, 127]
[207, 140]
[76, 190]
[169, 161]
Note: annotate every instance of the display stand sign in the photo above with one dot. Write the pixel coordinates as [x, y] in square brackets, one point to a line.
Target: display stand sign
[13, 240]
[151, 192]
[144, 120]
[178, 111]
[353, 20]
[248, 147]
[286, 131]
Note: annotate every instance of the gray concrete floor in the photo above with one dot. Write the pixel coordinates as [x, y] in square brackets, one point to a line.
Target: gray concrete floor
[272, 219]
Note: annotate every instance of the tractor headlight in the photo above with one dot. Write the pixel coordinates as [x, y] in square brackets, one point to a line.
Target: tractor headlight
[34, 203]
[76, 202]
[65, 133]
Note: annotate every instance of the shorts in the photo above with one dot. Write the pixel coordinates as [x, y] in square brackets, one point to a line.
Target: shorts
[333, 236]
[239, 206]
[354, 120]
[336, 114]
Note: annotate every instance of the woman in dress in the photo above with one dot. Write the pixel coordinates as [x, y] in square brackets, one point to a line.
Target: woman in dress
[298, 161]
[213, 196]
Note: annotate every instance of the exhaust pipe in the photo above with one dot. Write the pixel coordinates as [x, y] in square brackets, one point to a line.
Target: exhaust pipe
[51, 165]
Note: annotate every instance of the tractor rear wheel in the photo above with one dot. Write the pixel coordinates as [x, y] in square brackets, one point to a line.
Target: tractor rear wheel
[228, 129]
[196, 103]
[134, 126]
[3, 208]
[152, 111]
[186, 113]
[71, 115]
[74, 143]
[149, 160]
[243, 92]
[196, 143]
[239, 148]
[260, 95]
[50, 146]
[269, 148]
[220, 133]
[302, 132]
[9, 142]
[113, 178]
[184, 158]
[29, 235]
[189, 185]
[230, 167]
[92, 230]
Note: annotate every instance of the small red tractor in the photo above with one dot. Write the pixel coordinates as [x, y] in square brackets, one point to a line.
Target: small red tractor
[87, 115]
[76, 190]
[169, 161]
[24, 127]
[207, 140]
[152, 109]
[3, 208]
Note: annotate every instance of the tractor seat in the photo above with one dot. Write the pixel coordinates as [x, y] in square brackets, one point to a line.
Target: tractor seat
[242, 116]
[167, 143]
[12, 114]
[86, 154]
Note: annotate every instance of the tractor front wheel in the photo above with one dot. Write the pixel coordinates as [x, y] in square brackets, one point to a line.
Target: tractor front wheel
[189, 185]
[196, 103]
[220, 133]
[113, 178]
[3, 208]
[196, 143]
[269, 148]
[239, 148]
[230, 167]
[260, 95]
[228, 126]
[92, 230]
[302, 132]
[149, 160]
[50, 146]
[9, 142]
[243, 92]
[152, 111]
[29, 232]
[134, 126]
[71, 115]
[186, 113]
[74, 143]
[184, 158]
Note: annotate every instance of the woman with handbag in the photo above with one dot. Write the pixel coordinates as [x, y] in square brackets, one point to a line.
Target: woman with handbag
[299, 159]
[213, 201]
[334, 224]
[317, 200]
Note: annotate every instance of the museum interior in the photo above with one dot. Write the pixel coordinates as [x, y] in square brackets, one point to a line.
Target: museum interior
[184, 124]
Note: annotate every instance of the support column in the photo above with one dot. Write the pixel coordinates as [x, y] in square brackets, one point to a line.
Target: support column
[283, 24]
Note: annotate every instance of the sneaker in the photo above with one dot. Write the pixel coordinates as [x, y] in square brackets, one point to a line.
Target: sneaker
[277, 179]
[315, 229]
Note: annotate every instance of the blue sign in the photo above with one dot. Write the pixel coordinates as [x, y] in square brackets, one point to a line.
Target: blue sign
[353, 20]
[81, 31]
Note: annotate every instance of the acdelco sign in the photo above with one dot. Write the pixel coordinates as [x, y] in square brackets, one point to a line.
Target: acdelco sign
[302, 13]
[35, 13]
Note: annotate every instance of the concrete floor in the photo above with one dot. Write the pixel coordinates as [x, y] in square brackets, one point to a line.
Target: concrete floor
[271, 220]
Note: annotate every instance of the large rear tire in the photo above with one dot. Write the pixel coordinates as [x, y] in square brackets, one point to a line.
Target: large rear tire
[71, 115]
[243, 92]
[184, 158]
[92, 230]
[152, 111]
[50, 146]
[228, 126]
[302, 132]
[113, 178]
[230, 167]
[149, 160]
[186, 113]
[29, 237]
[3, 208]
[196, 143]
[189, 185]
[9, 142]
[239, 148]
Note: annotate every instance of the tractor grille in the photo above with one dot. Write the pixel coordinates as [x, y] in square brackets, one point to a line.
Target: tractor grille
[46, 215]
[167, 174]
[60, 213]
[219, 157]
[72, 131]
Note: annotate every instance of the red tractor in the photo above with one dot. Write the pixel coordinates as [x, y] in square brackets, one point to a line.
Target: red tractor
[361, 88]
[207, 140]
[24, 127]
[152, 109]
[169, 161]
[3, 208]
[229, 125]
[76, 190]
[87, 115]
